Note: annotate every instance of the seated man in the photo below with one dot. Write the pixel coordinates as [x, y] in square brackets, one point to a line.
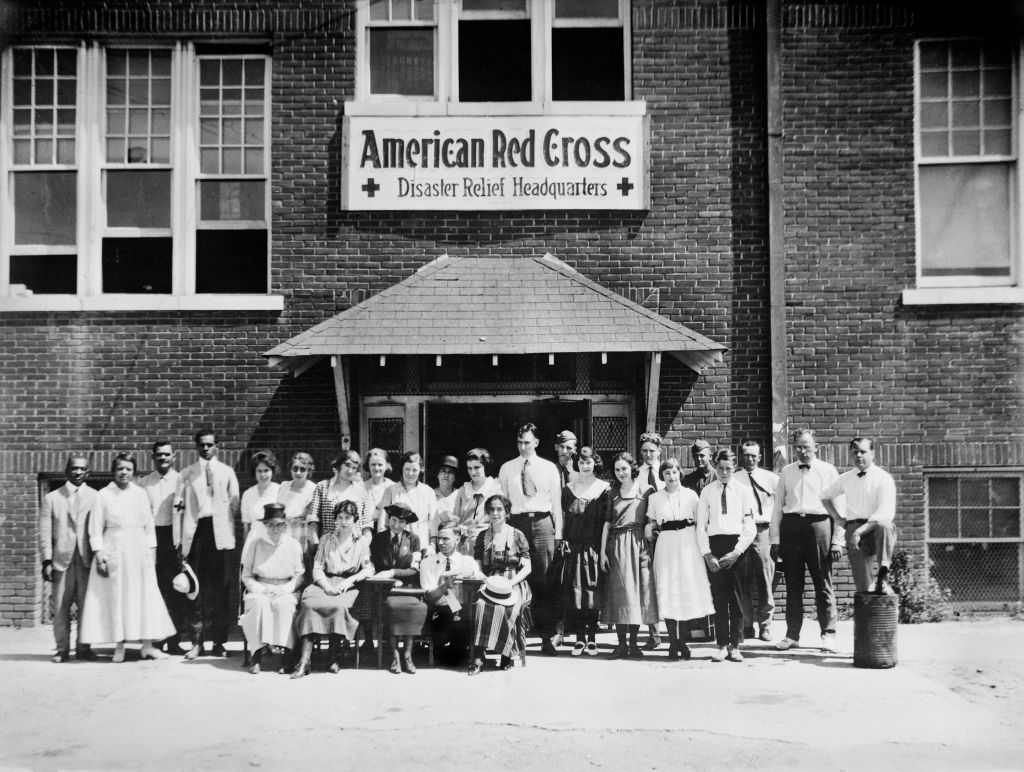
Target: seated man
[447, 621]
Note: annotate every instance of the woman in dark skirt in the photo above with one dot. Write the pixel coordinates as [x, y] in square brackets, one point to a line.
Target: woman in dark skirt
[342, 560]
[585, 505]
[503, 605]
[395, 554]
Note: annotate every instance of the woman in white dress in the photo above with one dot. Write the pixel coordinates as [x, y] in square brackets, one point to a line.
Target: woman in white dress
[377, 481]
[445, 491]
[265, 491]
[468, 514]
[123, 601]
[272, 574]
[680, 577]
[296, 496]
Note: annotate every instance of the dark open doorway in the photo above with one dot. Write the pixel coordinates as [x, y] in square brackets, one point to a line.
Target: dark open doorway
[454, 428]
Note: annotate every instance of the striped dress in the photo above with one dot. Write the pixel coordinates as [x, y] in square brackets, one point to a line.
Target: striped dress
[503, 628]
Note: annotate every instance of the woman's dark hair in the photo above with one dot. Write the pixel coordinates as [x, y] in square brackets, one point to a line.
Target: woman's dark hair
[344, 456]
[263, 457]
[481, 455]
[588, 452]
[411, 456]
[669, 463]
[127, 457]
[504, 502]
[346, 507]
[628, 458]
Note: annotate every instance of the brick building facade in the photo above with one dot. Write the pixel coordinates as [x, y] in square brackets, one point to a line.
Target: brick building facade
[795, 199]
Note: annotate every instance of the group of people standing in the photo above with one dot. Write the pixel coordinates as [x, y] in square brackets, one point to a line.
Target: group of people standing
[556, 549]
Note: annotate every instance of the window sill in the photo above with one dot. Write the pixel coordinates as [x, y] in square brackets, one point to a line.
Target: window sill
[469, 109]
[962, 296]
[160, 303]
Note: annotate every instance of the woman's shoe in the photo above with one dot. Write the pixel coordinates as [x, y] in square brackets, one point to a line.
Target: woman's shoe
[673, 654]
[619, 652]
[635, 652]
[476, 666]
[684, 651]
[118, 653]
[254, 666]
[591, 649]
[335, 667]
[407, 665]
[578, 649]
[151, 652]
[301, 670]
[395, 666]
[506, 663]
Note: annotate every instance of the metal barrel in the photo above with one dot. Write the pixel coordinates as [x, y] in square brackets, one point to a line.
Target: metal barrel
[874, 630]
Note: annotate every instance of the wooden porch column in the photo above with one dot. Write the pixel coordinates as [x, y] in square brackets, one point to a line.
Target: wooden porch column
[341, 393]
[653, 383]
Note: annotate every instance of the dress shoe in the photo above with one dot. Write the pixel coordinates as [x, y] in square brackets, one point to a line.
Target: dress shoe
[219, 651]
[734, 654]
[634, 652]
[882, 587]
[151, 652]
[118, 654]
[506, 663]
[476, 667]
[653, 642]
[619, 652]
[786, 643]
[749, 634]
[174, 648]
[720, 655]
[195, 652]
[673, 654]
[578, 649]
[547, 648]
[684, 652]
[765, 634]
[85, 654]
[301, 670]
[59, 657]
[335, 667]
[407, 665]
[395, 666]
[591, 650]
[828, 642]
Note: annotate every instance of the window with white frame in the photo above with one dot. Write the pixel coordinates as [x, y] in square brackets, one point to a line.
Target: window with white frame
[494, 50]
[134, 171]
[968, 221]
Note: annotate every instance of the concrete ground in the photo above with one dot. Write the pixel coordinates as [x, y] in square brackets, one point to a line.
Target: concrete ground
[955, 701]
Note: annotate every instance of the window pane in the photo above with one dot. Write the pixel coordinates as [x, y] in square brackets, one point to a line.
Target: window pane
[494, 61]
[401, 10]
[996, 112]
[46, 274]
[977, 572]
[139, 199]
[934, 85]
[231, 261]
[965, 114]
[998, 142]
[379, 10]
[209, 72]
[966, 143]
[231, 200]
[974, 493]
[424, 10]
[587, 63]
[137, 265]
[1005, 492]
[942, 523]
[494, 5]
[966, 55]
[965, 220]
[942, 492]
[584, 9]
[402, 61]
[1006, 522]
[45, 208]
[974, 523]
[255, 70]
[934, 115]
[997, 82]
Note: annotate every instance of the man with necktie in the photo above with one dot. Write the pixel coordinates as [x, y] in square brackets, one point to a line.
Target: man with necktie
[207, 503]
[447, 621]
[534, 487]
[161, 485]
[565, 447]
[650, 452]
[870, 495]
[759, 576]
[703, 473]
[66, 554]
[803, 533]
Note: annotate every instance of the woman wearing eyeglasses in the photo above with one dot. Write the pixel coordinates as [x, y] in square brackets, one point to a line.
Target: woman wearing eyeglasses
[296, 496]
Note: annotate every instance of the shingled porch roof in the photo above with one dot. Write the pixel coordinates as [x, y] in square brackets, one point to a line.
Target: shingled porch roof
[487, 305]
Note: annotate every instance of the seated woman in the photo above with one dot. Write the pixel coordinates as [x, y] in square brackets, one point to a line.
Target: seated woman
[395, 554]
[342, 560]
[123, 601]
[503, 606]
[272, 574]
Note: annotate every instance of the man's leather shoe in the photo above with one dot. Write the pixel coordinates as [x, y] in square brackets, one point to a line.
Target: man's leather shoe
[882, 587]
[547, 648]
[195, 651]
[653, 642]
[765, 634]
[786, 643]
[85, 655]
[219, 651]
[407, 665]
[58, 658]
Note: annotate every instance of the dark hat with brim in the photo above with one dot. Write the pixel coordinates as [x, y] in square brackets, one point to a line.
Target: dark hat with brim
[273, 512]
[450, 461]
[402, 511]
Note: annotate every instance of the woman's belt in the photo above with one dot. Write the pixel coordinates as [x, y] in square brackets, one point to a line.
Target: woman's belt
[677, 525]
[634, 526]
[268, 580]
[346, 572]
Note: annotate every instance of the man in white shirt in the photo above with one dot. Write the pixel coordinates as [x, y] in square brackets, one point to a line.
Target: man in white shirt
[565, 447]
[447, 620]
[66, 554]
[534, 487]
[760, 568]
[207, 501]
[870, 494]
[803, 533]
[650, 454]
[161, 485]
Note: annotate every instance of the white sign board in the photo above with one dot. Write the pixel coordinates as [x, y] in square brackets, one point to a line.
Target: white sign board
[495, 163]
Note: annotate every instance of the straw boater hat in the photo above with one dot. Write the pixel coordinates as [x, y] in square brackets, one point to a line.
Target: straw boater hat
[273, 512]
[498, 589]
[402, 511]
[186, 582]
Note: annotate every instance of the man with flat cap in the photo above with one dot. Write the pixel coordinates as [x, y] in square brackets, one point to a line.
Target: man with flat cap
[703, 473]
[565, 447]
